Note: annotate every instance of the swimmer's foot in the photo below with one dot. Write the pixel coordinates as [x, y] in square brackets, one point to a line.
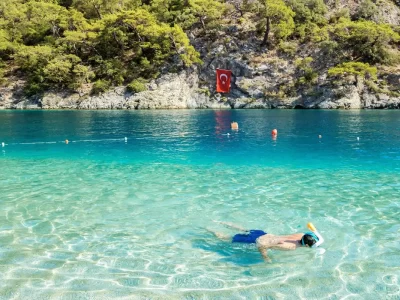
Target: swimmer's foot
[219, 235]
[231, 225]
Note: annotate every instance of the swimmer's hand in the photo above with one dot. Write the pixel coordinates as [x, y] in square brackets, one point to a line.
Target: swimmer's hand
[264, 254]
[267, 260]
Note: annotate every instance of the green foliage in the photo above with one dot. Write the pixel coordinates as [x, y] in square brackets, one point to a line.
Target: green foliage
[33, 88]
[308, 11]
[42, 22]
[45, 66]
[147, 43]
[359, 69]
[6, 47]
[137, 85]
[67, 43]
[97, 9]
[189, 12]
[367, 10]
[114, 41]
[111, 70]
[280, 16]
[173, 12]
[289, 48]
[307, 75]
[311, 32]
[329, 48]
[204, 91]
[2, 73]
[206, 11]
[34, 58]
[67, 71]
[181, 44]
[373, 86]
[341, 14]
[366, 40]
[100, 86]
[309, 19]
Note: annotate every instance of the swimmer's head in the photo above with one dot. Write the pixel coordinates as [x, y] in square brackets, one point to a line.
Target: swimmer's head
[309, 239]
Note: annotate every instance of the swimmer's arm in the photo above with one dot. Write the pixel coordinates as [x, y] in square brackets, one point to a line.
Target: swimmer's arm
[264, 254]
[285, 246]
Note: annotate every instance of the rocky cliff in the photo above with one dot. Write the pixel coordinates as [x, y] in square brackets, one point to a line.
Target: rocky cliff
[182, 91]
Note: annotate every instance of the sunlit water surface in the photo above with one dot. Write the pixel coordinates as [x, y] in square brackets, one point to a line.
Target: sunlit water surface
[105, 218]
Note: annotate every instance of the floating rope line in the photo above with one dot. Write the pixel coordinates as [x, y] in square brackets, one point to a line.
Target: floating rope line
[125, 139]
[66, 142]
[101, 140]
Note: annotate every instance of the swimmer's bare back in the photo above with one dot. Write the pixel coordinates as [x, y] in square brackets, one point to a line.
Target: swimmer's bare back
[282, 242]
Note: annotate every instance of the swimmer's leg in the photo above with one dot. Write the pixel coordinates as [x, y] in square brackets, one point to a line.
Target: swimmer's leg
[231, 225]
[221, 236]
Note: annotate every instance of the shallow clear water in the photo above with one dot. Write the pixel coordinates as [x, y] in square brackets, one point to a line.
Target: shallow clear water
[101, 218]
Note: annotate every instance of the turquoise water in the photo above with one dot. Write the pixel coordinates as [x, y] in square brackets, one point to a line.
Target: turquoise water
[105, 218]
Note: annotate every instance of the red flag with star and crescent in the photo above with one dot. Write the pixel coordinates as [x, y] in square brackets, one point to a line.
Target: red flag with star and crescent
[223, 81]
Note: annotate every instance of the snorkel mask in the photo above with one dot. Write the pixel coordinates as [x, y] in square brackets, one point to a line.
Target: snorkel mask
[315, 234]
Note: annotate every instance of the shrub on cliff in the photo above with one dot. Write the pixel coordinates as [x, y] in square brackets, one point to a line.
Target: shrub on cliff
[357, 69]
[45, 66]
[137, 39]
[276, 17]
[100, 86]
[66, 71]
[188, 13]
[308, 11]
[365, 40]
[137, 85]
[97, 9]
[59, 46]
[306, 74]
[2, 72]
[367, 11]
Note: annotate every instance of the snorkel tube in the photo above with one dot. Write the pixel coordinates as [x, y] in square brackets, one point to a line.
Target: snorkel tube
[314, 230]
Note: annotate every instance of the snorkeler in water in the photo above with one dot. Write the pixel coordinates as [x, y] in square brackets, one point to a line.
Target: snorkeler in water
[265, 241]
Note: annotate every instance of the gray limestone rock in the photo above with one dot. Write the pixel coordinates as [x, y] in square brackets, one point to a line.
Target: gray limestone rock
[109, 100]
[169, 91]
[57, 100]
[26, 104]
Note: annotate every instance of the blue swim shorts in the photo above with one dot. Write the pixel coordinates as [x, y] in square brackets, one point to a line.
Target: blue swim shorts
[248, 238]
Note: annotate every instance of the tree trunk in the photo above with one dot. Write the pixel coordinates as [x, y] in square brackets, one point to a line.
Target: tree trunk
[203, 25]
[121, 45]
[97, 9]
[266, 34]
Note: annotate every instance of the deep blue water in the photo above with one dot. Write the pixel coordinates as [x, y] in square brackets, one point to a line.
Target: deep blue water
[200, 137]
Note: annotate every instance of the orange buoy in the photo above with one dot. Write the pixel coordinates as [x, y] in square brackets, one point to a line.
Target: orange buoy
[66, 141]
[274, 132]
[234, 126]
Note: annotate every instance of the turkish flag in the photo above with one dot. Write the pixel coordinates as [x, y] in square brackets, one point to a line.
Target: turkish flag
[223, 81]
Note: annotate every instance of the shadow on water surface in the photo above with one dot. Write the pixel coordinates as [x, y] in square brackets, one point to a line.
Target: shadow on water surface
[238, 254]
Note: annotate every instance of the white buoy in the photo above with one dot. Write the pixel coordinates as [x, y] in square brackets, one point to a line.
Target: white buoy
[126, 139]
[2, 144]
[234, 125]
[358, 138]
